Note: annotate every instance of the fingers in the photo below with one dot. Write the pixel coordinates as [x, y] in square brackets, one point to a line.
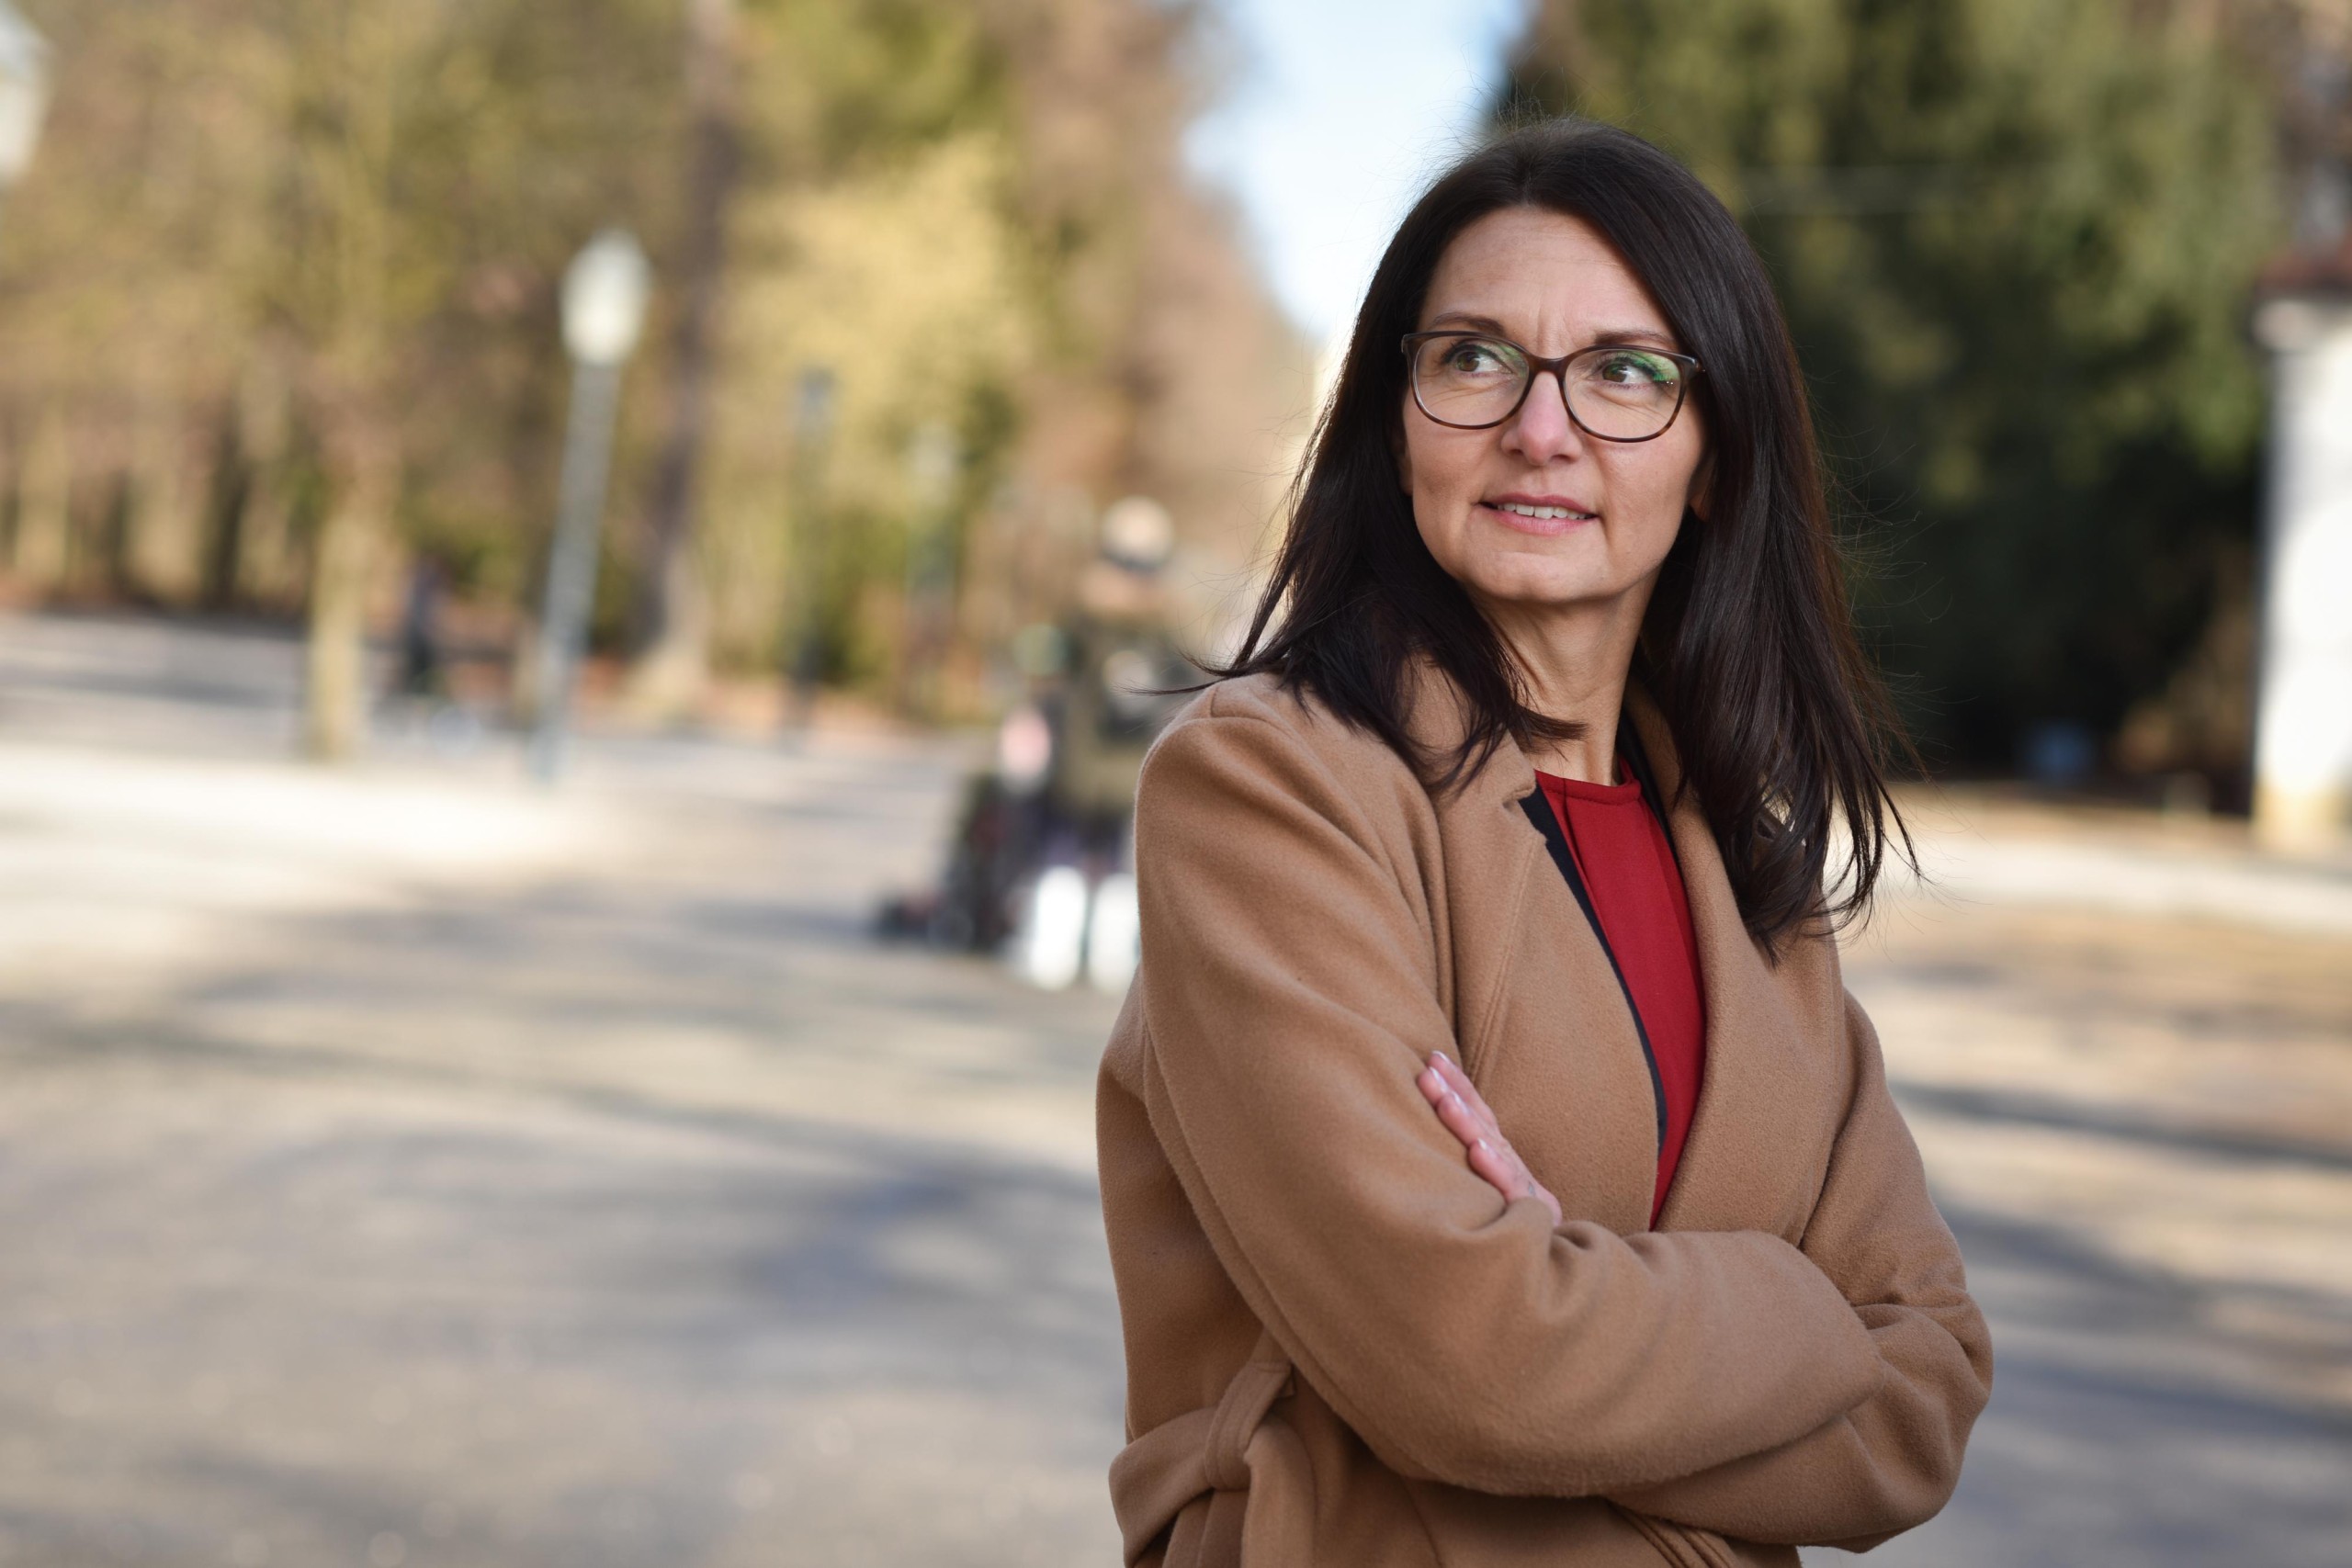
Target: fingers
[1459, 1081]
[1453, 1112]
[1432, 1087]
[1500, 1168]
[1457, 1101]
[1509, 1175]
[1463, 1112]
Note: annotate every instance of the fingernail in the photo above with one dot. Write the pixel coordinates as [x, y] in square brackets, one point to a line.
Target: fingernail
[1439, 1056]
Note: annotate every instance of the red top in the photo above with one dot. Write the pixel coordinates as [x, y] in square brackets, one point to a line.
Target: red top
[1630, 874]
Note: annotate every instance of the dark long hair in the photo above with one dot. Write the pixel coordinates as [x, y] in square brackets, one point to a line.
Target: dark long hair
[1748, 647]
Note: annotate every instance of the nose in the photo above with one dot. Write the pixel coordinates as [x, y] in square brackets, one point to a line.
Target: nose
[1541, 430]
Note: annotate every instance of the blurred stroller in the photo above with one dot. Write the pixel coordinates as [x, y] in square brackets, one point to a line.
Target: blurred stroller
[1040, 866]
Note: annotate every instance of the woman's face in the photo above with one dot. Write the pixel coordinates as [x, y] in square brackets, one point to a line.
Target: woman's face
[1534, 513]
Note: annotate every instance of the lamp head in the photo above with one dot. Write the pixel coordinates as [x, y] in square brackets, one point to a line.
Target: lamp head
[605, 295]
[24, 93]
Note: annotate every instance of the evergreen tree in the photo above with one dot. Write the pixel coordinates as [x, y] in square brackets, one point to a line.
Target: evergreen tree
[2016, 239]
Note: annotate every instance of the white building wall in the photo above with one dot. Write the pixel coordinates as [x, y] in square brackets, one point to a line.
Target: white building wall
[2304, 716]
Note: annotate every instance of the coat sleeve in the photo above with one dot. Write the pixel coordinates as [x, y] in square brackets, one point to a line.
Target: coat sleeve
[1890, 1462]
[1290, 995]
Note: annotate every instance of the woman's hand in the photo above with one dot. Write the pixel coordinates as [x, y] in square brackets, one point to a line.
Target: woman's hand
[1464, 1114]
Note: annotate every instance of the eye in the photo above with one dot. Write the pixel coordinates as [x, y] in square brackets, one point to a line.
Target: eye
[1473, 356]
[1630, 367]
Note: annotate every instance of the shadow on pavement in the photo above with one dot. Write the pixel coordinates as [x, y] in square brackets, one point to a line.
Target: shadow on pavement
[2120, 1434]
[2074, 1115]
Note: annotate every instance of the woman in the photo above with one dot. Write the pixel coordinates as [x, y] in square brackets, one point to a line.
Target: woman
[1495, 1168]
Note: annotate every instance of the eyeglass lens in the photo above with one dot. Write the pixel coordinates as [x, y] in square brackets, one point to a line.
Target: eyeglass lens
[1616, 392]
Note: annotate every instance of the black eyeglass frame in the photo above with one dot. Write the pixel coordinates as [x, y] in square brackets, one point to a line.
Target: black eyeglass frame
[1557, 370]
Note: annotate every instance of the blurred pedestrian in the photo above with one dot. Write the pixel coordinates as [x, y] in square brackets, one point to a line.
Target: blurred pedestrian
[1079, 914]
[422, 675]
[1040, 859]
[1495, 1167]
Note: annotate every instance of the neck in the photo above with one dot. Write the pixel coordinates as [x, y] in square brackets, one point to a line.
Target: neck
[1574, 659]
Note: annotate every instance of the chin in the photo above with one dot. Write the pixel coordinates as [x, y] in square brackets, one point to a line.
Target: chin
[1534, 584]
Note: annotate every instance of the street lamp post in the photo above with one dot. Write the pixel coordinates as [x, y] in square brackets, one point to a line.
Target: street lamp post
[604, 296]
[23, 97]
[812, 429]
[933, 462]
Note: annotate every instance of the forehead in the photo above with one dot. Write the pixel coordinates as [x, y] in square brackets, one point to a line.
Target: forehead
[1541, 275]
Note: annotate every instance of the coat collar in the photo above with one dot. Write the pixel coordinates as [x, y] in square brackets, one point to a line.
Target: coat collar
[1437, 718]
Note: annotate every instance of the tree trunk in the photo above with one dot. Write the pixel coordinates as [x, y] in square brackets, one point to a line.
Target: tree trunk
[227, 497]
[45, 505]
[350, 542]
[672, 630]
[267, 573]
[165, 552]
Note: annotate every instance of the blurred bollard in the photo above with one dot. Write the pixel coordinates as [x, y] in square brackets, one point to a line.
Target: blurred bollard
[604, 297]
[1050, 949]
[1114, 933]
[2303, 742]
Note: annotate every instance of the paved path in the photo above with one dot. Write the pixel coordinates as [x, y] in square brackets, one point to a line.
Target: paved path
[403, 1167]
[2142, 1132]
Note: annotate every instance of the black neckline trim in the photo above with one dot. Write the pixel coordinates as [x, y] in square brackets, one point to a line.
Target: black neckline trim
[1538, 807]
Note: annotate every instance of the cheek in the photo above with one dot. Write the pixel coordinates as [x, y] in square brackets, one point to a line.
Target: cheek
[1441, 476]
[1437, 464]
[1663, 487]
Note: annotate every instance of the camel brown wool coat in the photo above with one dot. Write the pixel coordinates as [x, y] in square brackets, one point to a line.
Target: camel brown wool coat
[1343, 1347]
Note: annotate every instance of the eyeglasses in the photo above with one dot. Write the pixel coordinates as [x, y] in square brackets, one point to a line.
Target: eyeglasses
[1613, 391]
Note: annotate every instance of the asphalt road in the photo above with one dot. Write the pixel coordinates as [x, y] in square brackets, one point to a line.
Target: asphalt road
[402, 1166]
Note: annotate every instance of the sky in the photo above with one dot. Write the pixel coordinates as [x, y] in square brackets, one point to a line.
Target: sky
[1340, 111]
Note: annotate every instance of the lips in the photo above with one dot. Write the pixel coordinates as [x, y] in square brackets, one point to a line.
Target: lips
[1544, 514]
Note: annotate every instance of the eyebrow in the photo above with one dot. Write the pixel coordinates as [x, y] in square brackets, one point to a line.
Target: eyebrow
[1494, 328]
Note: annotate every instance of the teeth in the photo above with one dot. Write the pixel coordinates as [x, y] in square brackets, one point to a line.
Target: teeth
[1522, 509]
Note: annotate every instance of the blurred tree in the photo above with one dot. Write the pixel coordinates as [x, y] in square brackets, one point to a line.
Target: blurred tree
[350, 283]
[263, 234]
[2014, 239]
[673, 629]
[975, 216]
[278, 302]
[1169, 372]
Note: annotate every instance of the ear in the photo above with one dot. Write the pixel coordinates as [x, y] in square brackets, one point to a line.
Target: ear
[1702, 499]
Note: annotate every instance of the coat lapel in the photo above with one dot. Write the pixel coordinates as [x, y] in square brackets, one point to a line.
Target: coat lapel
[1542, 1023]
[1773, 1060]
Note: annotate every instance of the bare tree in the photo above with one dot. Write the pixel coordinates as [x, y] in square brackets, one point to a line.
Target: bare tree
[351, 60]
[285, 275]
[674, 623]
